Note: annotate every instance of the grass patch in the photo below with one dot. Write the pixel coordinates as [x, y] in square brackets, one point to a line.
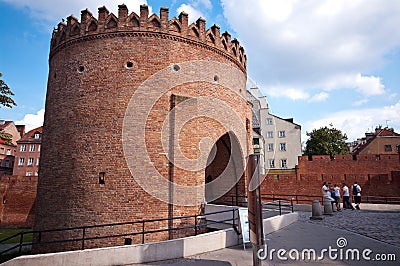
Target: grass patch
[6, 232]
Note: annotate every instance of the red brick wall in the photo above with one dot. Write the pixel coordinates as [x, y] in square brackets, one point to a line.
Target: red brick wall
[17, 201]
[377, 175]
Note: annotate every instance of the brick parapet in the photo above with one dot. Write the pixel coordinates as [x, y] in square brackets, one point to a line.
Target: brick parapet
[107, 25]
[378, 175]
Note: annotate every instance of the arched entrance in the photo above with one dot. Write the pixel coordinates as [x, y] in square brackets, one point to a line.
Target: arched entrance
[224, 174]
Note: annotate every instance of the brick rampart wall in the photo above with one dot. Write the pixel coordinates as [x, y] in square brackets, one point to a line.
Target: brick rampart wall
[18, 196]
[377, 175]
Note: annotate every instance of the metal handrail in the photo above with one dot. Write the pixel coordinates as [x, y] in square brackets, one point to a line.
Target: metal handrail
[143, 232]
[295, 197]
[365, 198]
[278, 203]
[263, 198]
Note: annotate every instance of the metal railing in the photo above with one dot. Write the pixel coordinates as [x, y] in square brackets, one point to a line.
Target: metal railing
[379, 199]
[196, 227]
[280, 204]
[298, 198]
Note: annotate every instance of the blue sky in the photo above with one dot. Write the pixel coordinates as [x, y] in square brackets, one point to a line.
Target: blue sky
[320, 62]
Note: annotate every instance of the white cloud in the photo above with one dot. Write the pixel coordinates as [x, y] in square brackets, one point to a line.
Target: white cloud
[316, 44]
[291, 93]
[193, 13]
[277, 10]
[206, 3]
[366, 85]
[356, 122]
[54, 10]
[32, 121]
[370, 85]
[320, 97]
[360, 102]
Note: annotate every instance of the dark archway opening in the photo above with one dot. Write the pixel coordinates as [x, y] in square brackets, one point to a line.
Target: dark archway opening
[224, 174]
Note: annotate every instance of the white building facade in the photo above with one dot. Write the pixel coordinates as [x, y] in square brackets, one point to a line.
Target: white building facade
[280, 138]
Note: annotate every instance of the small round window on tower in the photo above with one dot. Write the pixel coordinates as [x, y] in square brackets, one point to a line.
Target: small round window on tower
[81, 69]
[176, 68]
[129, 64]
[216, 78]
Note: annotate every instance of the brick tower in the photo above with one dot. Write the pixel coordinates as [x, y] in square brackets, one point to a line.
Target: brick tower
[139, 110]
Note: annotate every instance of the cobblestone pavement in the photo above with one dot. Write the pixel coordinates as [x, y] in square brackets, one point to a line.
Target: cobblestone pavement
[380, 225]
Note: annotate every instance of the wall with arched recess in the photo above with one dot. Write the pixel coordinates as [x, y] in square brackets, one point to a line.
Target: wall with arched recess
[113, 83]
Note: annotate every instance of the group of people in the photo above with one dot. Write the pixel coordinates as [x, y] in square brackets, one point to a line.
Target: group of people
[334, 194]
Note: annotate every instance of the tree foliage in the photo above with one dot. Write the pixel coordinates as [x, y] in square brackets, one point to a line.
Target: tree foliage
[5, 94]
[326, 141]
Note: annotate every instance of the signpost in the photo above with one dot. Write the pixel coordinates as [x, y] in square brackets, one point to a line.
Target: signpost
[255, 207]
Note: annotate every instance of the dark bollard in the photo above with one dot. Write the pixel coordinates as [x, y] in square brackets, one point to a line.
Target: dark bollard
[316, 211]
[328, 207]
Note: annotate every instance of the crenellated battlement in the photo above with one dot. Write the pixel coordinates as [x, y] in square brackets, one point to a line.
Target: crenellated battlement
[108, 24]
[350, 158]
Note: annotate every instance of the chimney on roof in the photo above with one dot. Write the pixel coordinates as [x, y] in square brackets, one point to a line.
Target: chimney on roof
[21, 130]
[2, 122]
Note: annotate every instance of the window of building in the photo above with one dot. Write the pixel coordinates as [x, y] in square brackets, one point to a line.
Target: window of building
[8, 151]
[269, 121]
[38, 147]
[37, 161]
[270, 146]
[23, 147]
[29, 173]
[37, 135]
[6, 163]
[256, 141]
[21, 161]
[271, 163]
[30, 161]
[270, 134]
[388, 147]
[282, 146]
[32, 147]
[36, 173]
[281, 134]
[284, 163]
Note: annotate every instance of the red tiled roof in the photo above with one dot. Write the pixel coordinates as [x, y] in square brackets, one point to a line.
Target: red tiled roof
[387, 132]
[6, 123]
[382, 133]
[30, 135]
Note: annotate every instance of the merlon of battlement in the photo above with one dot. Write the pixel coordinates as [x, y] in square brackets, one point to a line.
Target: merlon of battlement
[107, 22]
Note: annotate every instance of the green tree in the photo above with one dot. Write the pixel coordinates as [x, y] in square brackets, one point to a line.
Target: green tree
[326, 141]
[5, 93]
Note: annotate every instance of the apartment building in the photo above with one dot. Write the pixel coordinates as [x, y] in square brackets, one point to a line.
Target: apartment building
[280, 137]
[8, 146]
[27, 157]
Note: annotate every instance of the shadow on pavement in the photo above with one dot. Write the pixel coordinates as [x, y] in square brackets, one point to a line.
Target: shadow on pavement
[195, 262]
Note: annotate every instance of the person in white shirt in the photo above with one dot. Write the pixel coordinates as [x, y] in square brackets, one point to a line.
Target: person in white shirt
[346, 197]
[337, 196]
[326, 193]
[357, 194]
